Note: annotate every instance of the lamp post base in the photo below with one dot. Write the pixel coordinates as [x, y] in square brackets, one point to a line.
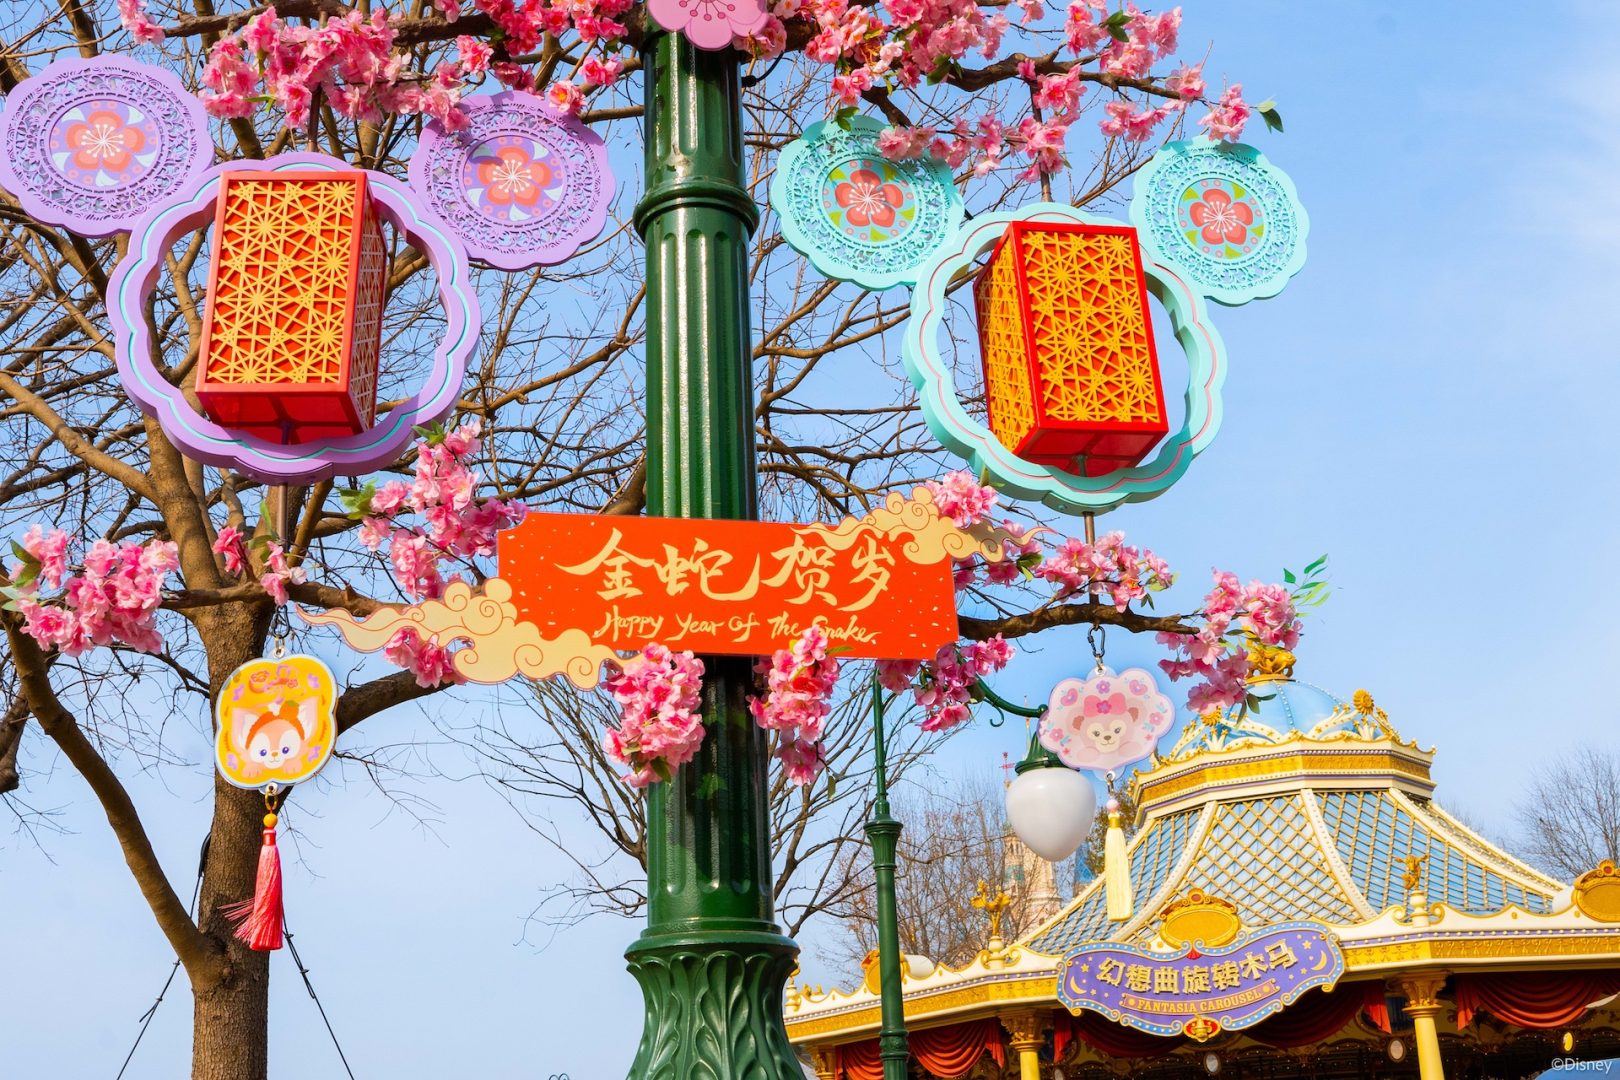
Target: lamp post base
[714, 1005]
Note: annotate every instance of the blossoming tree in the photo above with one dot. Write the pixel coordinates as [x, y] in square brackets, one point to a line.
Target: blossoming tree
[130, 559]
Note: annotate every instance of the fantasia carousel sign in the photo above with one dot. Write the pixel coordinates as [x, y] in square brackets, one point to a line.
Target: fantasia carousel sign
[1201, 993]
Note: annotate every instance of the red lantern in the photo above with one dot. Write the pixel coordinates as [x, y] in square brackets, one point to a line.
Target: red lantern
[293, 327]
[1070, 372]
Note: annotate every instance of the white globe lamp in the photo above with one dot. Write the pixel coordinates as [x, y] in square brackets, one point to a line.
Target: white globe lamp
[1050, 806]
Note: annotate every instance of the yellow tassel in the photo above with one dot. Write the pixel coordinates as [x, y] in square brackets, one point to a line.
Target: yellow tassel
[1117, 869]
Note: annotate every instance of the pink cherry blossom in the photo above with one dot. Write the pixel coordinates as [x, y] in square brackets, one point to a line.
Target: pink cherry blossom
[960, 497]
[132, 16]
[473, 55]
[766, 42]
[278, 574]
[113, 599]
[565, 97]
[660, 728]
[799, 683]
[1188, 81]
[1226, 118]
[597, 72]
[50, 552]
[1133, 123]
[430, 662]
[231, 546]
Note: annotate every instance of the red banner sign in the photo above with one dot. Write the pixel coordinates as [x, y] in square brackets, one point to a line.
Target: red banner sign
[729, 587]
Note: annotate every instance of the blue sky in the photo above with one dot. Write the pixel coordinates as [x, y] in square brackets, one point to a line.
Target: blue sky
[1426, 403]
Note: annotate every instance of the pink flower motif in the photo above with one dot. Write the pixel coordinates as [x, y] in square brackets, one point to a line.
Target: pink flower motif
[868, 201]
[512, 176]
[710, 24]
[1221, 219]
[103, 141]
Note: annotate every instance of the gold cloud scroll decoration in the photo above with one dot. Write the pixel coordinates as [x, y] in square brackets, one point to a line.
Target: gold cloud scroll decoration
[496, 644]
[933, 535]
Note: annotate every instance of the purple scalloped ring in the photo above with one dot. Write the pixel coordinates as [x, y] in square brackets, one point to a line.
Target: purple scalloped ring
[272, 463]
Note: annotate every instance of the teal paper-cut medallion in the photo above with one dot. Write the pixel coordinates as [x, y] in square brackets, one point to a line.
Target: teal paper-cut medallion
[1226, 216]
[857, 215]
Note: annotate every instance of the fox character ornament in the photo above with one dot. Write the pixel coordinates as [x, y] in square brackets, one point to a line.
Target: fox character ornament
[276, 722]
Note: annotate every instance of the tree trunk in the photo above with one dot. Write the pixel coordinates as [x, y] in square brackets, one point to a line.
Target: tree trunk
[231, 1016]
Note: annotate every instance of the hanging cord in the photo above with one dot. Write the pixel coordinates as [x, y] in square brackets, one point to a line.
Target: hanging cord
[304, 974]
[146, 1017]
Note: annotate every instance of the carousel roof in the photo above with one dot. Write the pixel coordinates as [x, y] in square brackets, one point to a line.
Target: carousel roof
[1297, 822]
[1311, 809]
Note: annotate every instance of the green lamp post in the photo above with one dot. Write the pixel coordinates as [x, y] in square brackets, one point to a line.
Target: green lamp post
[883, 833]
[712, 961]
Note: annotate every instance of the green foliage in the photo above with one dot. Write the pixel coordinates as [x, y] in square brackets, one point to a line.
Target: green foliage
[1268, 112]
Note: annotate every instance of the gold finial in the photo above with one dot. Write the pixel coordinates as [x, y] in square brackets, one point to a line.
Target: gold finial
[1412, 879]
[1363, 702]
[1597, 892]
[1269, 662]
[995, 907]
[1211, 718]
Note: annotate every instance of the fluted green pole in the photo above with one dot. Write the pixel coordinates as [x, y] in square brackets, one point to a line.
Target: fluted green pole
[712, 961]
[883, 833]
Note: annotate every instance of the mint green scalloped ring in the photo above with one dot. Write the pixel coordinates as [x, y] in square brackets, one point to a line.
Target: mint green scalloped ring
[1230, 219]
[942, 407]
[857, 215]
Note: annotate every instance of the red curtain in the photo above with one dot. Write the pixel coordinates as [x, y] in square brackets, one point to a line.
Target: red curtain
[859, 1061]
[1107, 1037]
[1532, 999]
[1378, 1009]
[1317, 1016]
[951, 1051]
[943, 1051]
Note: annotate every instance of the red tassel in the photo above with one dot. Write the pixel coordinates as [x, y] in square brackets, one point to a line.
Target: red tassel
[258, 921]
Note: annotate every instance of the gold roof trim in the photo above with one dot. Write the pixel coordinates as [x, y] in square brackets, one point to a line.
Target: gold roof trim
[1173, 783]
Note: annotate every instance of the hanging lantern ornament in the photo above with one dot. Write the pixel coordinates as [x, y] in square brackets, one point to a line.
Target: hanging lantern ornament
[292, 333]
[289, 365]
[1224, 214]
[92, 144]
[522, 185]
[857, 215]
[1071, 374]
[1107, 721]
[276, 723]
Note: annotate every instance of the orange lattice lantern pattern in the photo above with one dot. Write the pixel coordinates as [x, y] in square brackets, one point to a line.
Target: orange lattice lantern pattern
[1070, 372]
[295, 297]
